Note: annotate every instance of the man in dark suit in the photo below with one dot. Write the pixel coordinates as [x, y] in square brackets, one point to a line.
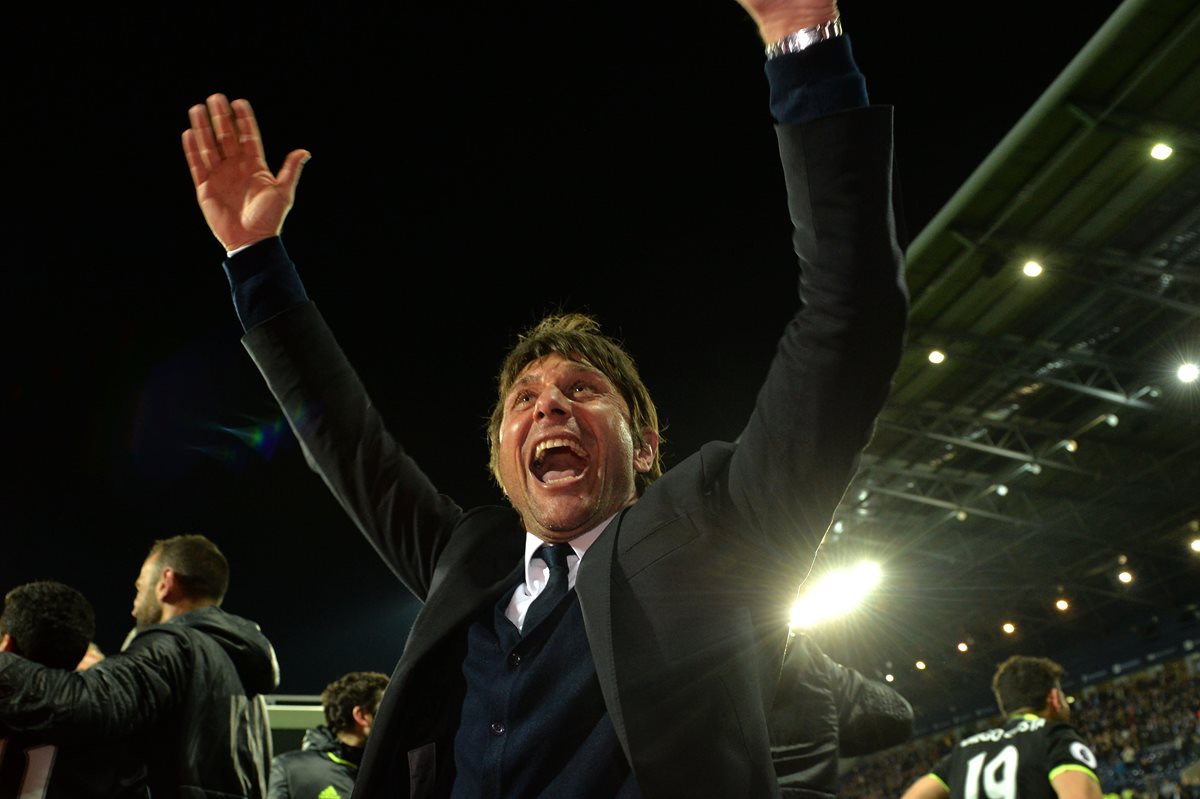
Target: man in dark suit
[648, 665]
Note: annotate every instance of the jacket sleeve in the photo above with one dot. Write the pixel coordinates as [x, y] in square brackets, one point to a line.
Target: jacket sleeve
[833, 366]
[871, 715]
[382, 489]
[122, 695]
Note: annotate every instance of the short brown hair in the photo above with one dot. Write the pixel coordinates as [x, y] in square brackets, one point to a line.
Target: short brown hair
[357, 689]
[577, 337]
[1023, 681]
[198, 564]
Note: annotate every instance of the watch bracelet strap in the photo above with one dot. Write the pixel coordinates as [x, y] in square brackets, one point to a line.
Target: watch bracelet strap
[805, 37]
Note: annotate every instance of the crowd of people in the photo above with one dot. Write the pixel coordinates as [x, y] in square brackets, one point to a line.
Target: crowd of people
[1144, 729]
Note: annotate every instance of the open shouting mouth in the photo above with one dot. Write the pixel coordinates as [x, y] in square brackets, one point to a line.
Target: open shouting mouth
[558, 460]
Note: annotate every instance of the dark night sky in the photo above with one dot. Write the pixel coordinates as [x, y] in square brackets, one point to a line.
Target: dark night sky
[471, 171]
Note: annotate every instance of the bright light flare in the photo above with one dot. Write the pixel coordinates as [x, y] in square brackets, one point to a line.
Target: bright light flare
[962, 646]
[835, 594]
[1125, 577]
[920, 664]
[1032, 269]
[1062, 604]
[1161, 151]
[936, 356]
[1195, 545]
[1187, 373]
[1009, 628]
[889, 677]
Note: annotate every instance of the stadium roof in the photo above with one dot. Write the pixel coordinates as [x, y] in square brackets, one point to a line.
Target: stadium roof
[1055, 442]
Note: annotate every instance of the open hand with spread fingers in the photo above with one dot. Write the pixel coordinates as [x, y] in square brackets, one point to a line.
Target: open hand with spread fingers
[242, 201]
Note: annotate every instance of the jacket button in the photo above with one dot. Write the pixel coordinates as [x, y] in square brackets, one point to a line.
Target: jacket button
[514, 660]
[497, 728]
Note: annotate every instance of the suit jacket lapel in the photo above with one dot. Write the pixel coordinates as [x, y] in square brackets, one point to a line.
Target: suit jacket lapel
[594, 587]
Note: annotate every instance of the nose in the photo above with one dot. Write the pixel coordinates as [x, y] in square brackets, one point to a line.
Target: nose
[552, 403]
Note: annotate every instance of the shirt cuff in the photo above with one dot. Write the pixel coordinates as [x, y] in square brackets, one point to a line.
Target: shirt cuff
[817, 81]
[263, 281]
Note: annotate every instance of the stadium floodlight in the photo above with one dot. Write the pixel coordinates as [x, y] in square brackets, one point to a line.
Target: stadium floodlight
[1125, 576]
[835, 594]
[889, 677]
[1009, 628]
[1032, 269]
[936, 356]
[1062, 604]
[920, 664]
[962, 646]
[1187, 373]
[1195, 545]
[1161, 151]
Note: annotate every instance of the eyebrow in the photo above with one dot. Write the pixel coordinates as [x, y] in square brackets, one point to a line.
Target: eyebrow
[533, 377]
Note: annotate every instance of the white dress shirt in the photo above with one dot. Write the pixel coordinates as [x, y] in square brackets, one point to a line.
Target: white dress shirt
[537, 573]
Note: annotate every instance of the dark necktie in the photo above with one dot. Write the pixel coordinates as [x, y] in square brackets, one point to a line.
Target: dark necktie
[556, 586]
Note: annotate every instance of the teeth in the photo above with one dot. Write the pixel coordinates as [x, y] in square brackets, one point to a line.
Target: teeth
[550, 443]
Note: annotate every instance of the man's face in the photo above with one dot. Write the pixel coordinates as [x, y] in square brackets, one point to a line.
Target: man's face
[567, 458]
[147, 610]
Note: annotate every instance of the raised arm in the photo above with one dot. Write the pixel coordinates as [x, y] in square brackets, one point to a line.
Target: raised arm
[242, 201]
[779, 18]
[833, 368]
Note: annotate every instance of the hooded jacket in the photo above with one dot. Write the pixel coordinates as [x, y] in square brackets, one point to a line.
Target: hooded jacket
[323, 768]
[188, 693]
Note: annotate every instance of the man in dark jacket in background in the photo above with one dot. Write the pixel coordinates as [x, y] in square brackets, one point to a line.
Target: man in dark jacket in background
[186, 692]
[327, 762]
[824, 710]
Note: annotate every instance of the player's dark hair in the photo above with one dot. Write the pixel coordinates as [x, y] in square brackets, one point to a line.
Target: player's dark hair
[198, 564]
[577, 337]
[1024, 682]
[357, 689]
[49, 623]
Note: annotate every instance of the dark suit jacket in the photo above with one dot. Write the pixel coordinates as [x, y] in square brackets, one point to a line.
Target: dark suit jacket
[685, 596]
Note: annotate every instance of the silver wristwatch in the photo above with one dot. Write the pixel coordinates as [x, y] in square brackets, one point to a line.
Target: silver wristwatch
[805, 37]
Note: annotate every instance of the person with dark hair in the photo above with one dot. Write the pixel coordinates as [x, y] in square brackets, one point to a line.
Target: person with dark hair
[186, 691]
[52, 624]
[327, 762]
[1036, 754]
[47, 622]
[613, 633]
[824, 711]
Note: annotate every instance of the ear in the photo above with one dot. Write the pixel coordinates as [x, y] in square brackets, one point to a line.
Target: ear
[1054, 700]
[6, 643]
[169, 588]
[363, 718]
[643, 457]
